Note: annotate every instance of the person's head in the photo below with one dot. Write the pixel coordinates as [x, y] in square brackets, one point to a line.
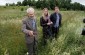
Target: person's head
[30, 12]
[56, 9]
[45, 12]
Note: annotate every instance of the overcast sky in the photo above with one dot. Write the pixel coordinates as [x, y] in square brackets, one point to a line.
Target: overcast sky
[3, 2]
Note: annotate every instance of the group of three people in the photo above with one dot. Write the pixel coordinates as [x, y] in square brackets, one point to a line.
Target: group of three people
[50, 27]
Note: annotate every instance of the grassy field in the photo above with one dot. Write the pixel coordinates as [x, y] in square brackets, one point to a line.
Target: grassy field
[69, 41]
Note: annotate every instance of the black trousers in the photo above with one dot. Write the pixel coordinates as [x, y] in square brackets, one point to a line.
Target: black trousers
[32, 48]
[55, 31]
[47, 34]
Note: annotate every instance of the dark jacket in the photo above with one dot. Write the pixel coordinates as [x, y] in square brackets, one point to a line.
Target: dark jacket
[53, 18]
[46, 28]
[43, 23]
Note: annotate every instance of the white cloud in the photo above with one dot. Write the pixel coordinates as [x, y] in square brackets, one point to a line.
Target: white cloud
[2, 2]
[12, 1]
[79, 1]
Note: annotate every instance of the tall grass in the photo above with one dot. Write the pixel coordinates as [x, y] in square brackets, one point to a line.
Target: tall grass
[69, 41]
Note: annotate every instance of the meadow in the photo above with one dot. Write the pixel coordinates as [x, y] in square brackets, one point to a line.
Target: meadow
[69, 41]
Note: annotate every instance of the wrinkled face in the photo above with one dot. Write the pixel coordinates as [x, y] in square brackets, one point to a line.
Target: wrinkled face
[56, 9]
[45, 12]
[30, 14]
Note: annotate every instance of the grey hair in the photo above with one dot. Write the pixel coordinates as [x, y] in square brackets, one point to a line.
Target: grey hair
[30, 10]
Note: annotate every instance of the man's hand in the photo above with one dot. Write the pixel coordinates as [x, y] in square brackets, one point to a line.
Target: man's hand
[30, 33]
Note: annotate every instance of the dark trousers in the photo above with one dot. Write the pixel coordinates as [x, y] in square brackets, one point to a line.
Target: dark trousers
[47, 34]
[55, 31]
[32, 48]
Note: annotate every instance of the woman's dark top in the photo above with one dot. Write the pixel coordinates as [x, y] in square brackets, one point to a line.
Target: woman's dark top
[44, 22]
[46, 28]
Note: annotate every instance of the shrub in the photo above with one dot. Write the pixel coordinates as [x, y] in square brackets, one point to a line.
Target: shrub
[22, 9]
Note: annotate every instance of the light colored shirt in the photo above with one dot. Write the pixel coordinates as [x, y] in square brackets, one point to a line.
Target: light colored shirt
[33, 24]
[57, 20]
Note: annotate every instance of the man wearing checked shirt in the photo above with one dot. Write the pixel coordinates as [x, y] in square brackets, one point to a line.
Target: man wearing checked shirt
[56, 18]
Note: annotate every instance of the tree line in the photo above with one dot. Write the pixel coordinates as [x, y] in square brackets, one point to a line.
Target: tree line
[50, 4]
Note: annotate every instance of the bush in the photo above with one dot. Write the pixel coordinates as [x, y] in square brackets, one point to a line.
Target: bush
[13, 8]
[22, 9]
[4, 6]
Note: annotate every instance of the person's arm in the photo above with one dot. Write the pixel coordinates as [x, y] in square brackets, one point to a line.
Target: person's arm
[60, 21]
[41, 22]
[51, 17]
[49, 21]
[26, 31]
[24, 27]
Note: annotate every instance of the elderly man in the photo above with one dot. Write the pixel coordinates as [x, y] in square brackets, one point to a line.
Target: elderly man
[56, 19]
[30, 29]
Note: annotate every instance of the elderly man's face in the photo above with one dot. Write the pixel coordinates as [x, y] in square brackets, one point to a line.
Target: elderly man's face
[31, 14]
[56, 9]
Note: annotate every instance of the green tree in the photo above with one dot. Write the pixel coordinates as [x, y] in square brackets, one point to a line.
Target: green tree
[19, 3]
[52, 3]
[7, 4]
[38, 4]
[24, 3]
[13, 4]
[64, 4]
[45, 4]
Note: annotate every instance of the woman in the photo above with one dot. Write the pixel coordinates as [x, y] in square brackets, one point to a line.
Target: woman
[46, 25]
